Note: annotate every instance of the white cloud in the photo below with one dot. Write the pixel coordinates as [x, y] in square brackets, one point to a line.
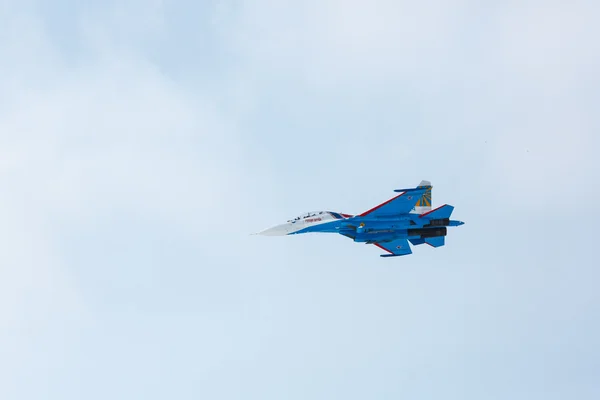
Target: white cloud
[548, 44]
[82, 140]
[328, 43]
[521, 91]
[89, 137]
[113, 131]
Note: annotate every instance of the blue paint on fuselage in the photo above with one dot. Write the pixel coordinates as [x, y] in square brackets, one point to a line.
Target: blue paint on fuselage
[379, 229]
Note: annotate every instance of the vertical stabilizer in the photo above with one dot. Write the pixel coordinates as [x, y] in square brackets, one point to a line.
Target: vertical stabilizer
[424, 203]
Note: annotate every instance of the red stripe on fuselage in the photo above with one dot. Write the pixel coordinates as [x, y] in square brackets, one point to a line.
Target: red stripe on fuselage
[381, 205]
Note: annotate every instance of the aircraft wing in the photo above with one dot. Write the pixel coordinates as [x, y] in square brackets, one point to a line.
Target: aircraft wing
[398, 247]
[401, 204]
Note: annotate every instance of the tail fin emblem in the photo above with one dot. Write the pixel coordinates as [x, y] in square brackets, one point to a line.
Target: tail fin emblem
[425, 200]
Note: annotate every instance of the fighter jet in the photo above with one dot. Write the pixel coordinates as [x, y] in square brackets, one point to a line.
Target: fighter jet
[391, 225]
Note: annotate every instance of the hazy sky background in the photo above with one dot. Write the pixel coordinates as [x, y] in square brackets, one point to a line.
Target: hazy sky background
[142, 141]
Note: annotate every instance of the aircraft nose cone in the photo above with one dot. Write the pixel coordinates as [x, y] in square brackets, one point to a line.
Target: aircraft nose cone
[460, 223]
[279, 230]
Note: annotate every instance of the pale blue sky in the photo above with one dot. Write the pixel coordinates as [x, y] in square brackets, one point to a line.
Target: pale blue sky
[141, 142]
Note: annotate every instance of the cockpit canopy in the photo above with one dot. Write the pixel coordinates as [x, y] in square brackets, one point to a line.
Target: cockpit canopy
[317, 216]
[308, 215]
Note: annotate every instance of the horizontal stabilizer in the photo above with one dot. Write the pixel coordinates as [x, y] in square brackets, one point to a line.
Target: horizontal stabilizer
[422, 185]
[437, 241]
[439, 213]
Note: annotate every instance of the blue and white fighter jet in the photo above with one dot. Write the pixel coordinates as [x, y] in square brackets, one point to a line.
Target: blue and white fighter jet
[405, 218]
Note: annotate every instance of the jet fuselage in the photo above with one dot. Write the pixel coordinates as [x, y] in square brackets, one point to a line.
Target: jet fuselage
[391, 226]
[365, 229]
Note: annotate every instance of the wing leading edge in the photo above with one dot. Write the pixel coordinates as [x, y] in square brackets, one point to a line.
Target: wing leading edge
[401, 204]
